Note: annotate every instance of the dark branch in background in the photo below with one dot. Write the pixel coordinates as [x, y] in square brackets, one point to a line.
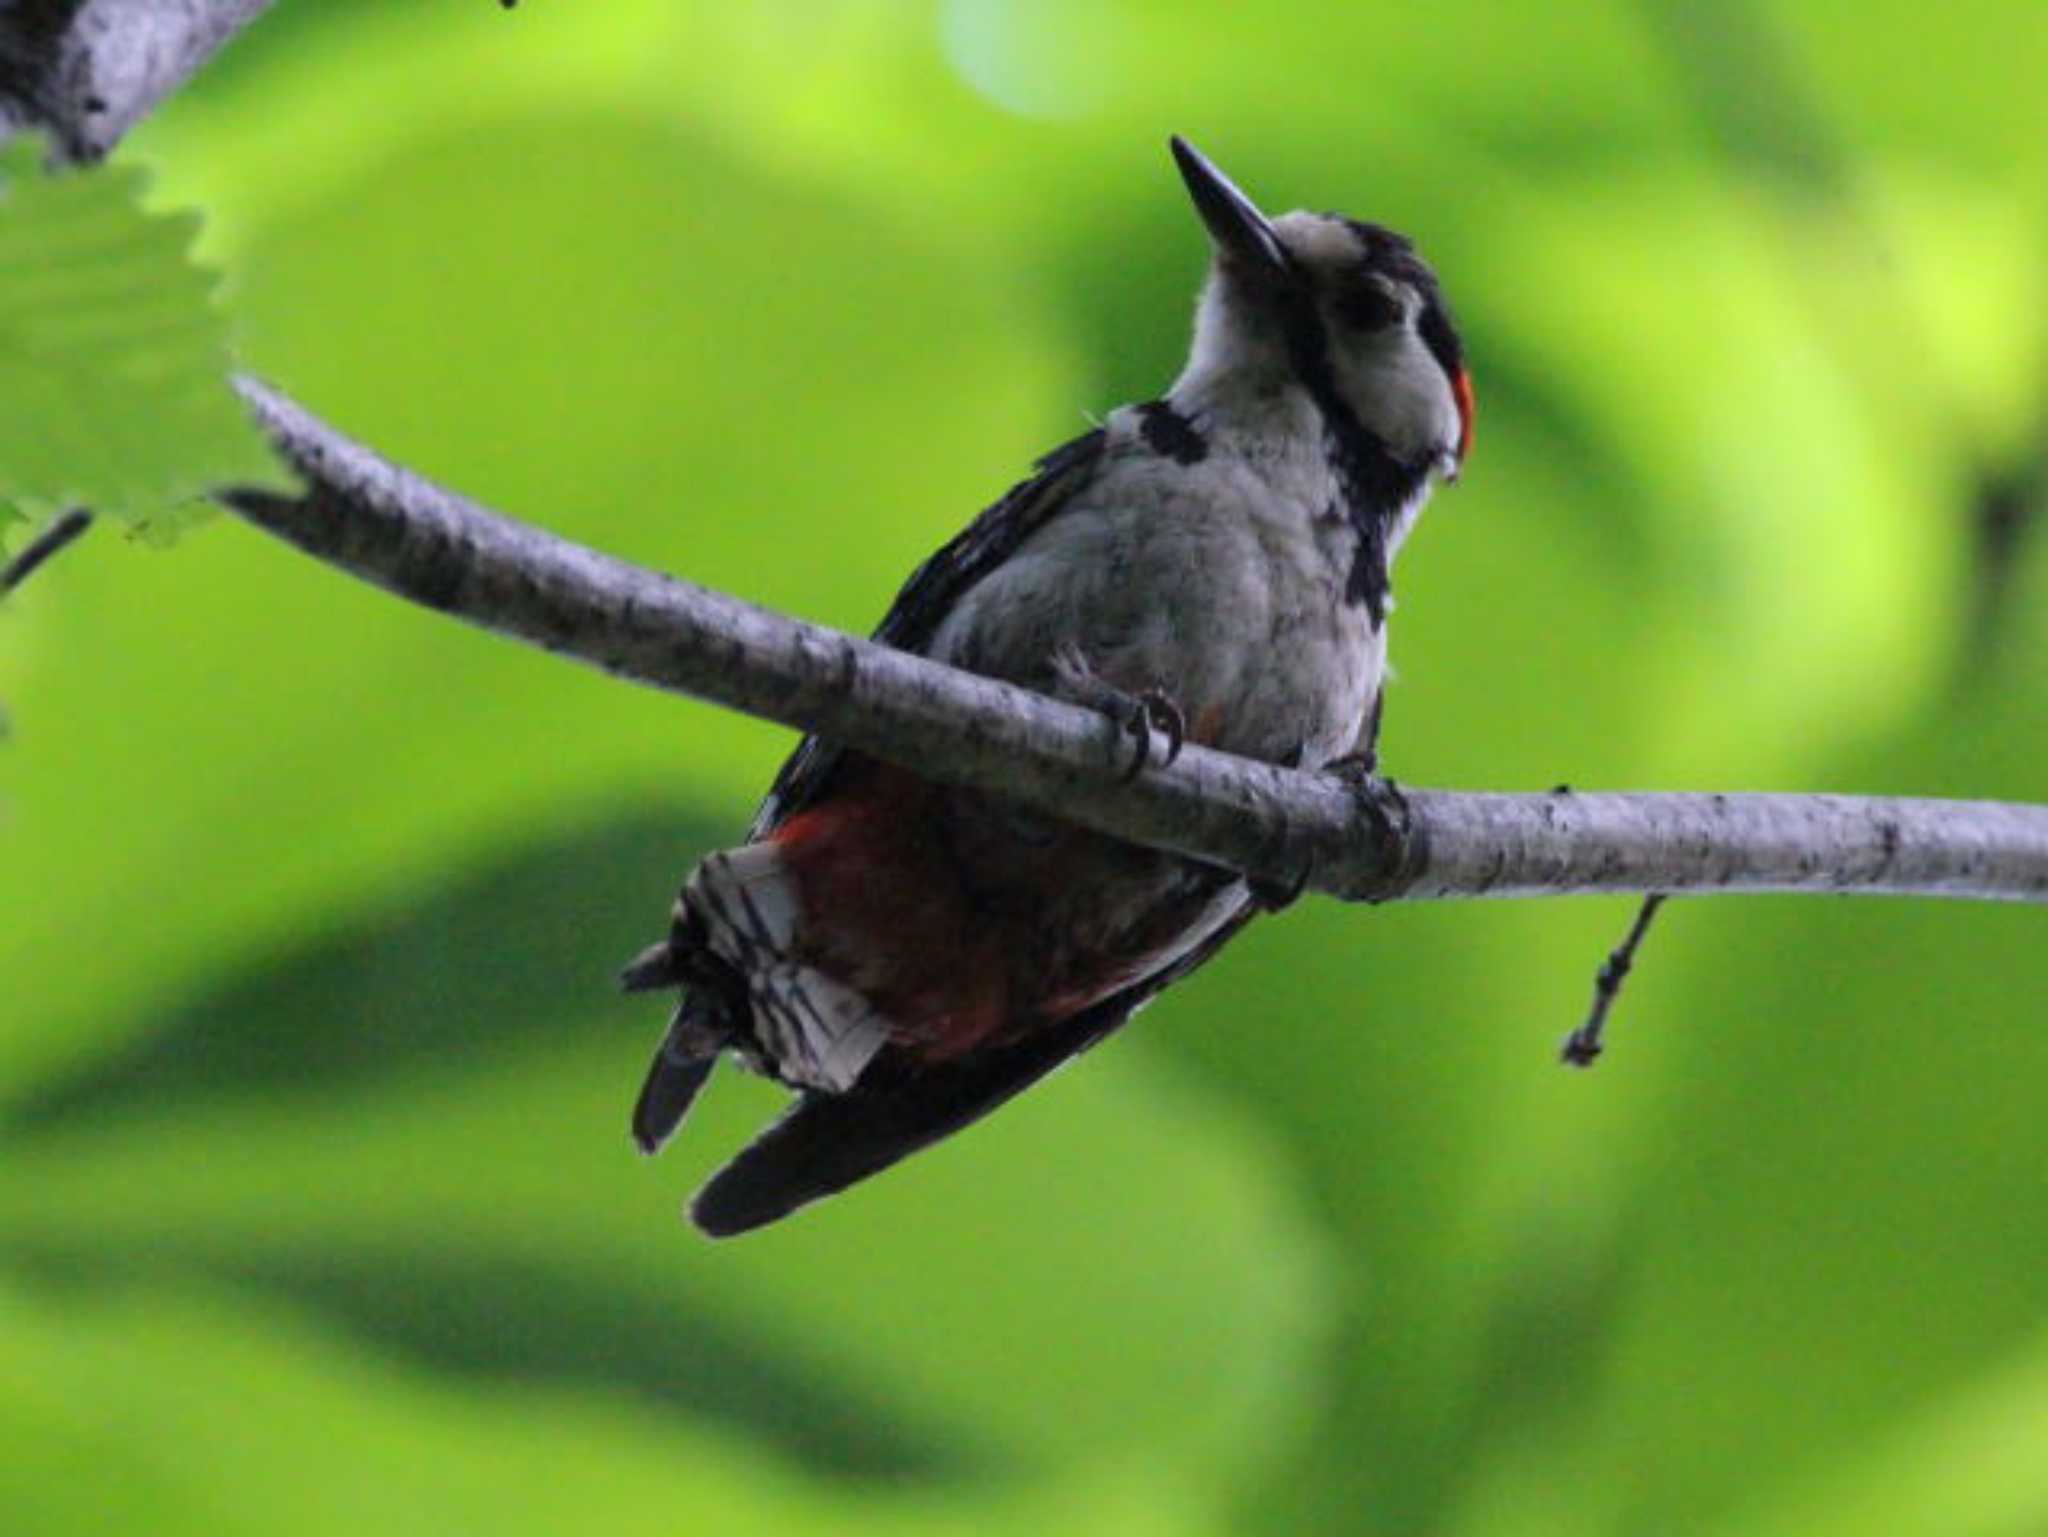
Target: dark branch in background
[2009, 506]
[1734, 60]
[63, 529]
[1583, 1046]
[86, 71]
[392, 528]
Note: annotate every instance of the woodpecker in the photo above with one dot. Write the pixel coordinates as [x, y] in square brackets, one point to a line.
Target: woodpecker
[1210, 566]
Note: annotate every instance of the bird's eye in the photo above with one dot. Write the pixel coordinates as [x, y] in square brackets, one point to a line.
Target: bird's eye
[1366, 306]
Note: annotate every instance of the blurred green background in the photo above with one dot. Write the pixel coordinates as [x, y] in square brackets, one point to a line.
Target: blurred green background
[317, 1211]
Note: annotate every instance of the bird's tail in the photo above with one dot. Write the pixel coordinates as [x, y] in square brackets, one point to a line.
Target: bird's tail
[730, 947]
[808, 1027]
[711, 1015]
[703, 1025]
[678, 1071]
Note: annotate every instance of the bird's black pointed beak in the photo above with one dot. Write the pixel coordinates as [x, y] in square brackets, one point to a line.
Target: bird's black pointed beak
[1234, 221]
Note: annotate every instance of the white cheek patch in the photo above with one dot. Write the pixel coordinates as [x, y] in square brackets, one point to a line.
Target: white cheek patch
[1401, 395]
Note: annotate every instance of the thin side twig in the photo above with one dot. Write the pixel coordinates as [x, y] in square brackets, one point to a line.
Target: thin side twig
[387, 526]
[64, 528]
[1583, 1046]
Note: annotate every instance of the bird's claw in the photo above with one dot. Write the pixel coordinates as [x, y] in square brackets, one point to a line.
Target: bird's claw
[1153, 710]
[1379, 800]
[1136, 715]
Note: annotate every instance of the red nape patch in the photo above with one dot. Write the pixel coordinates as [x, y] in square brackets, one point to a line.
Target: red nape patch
[885, 912]
[1461, 391]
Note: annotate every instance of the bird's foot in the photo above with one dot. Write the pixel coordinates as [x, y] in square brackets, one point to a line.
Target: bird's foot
[1155, 711]
[1138, 715]
[1379, 801]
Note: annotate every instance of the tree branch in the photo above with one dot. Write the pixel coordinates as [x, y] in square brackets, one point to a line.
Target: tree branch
[89, 70]
[390, 527]
[63, 528]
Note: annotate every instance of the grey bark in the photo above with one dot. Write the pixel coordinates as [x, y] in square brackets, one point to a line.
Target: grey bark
[86, 71]
[388, 526]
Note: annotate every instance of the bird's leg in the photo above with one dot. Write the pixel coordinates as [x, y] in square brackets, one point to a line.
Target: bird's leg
[1367, 747]
[1379, 798]
[1138, 714]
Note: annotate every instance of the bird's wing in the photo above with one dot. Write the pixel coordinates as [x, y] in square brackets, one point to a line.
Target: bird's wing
[826, 1142]
[930, 594]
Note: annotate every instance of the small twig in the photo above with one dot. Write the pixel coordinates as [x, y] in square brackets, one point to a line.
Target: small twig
[66, 527]
[1583, 1046]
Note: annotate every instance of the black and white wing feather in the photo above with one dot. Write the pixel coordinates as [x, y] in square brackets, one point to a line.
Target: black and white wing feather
[930, 595]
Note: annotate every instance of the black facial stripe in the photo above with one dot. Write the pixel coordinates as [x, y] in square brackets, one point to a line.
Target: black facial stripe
[1169, 434]
[1440, 336]
[1376, 485]
[1366, 306]
[1393, 255]
[1390, 253]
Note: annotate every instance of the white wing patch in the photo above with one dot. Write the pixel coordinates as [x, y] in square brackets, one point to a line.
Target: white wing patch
[816, 1030]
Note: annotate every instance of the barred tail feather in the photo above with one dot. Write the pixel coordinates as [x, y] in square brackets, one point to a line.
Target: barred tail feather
[813, 1029]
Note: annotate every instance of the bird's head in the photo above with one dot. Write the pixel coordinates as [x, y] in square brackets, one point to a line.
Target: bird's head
[1345, 309]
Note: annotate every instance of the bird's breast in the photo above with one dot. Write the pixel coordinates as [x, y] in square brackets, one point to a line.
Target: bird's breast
[1214, 583]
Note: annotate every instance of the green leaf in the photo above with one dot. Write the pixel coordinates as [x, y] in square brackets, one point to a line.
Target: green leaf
[113, 360]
